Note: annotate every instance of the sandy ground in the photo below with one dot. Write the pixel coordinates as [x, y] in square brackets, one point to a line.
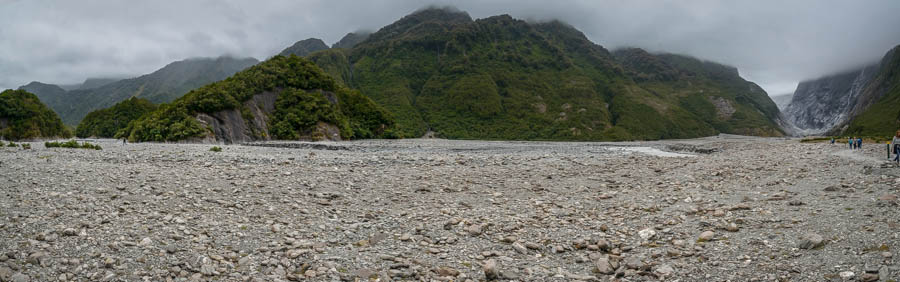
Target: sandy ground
[724, 208]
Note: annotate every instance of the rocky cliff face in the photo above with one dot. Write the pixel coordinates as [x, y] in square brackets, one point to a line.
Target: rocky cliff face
[235, 126]
[822, 104]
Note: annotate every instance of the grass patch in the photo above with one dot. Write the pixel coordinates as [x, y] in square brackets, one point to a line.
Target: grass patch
[11, 144]
[216, 149]
[26, 146]
[72, 144]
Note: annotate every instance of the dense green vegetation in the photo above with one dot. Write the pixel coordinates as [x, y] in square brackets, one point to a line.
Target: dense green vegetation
[72, 144]
[162, 86]
[23, 116]
[883, 117]
[303, 101]
[501, 78]
[107, 122]
[215, 149]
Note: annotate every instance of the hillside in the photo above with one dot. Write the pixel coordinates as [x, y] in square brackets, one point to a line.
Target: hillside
[304, 47]
[821, 104]
[23, 116]
[501, 78]
[161, 86]
[878, 111]
[286, 98]
[105, 123]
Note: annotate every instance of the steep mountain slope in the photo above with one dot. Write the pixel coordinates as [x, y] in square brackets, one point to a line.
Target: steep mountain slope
[281, 98]
[304, 47]
[821, 104]
[163, 85]
[877, 112]
[858, 102]
[105, 123]
[351, 39]
[23, 116]
[502, 78]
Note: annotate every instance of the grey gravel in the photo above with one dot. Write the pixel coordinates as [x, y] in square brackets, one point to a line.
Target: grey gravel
[442, 210]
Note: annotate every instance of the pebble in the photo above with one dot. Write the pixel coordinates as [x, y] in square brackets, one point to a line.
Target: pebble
[603, 266]
[491, 271]
[706, 236]
[811, 241]
[19, 277]
[847, 275]
[647, 234]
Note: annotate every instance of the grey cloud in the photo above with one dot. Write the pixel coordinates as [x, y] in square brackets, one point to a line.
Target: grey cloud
[773, 43]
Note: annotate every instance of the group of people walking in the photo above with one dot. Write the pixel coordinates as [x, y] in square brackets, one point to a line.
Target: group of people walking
[894, 147]
[855, 143]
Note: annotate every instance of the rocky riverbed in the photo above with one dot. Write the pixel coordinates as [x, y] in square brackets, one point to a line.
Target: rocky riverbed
[714, 209]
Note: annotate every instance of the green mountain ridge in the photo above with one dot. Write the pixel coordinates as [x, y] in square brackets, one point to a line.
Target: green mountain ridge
[501, 78]
[161, 86]
[286, 98]
[23, 116]
[879, 109]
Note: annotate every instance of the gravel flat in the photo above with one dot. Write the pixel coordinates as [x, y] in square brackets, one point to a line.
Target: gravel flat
[724, 208]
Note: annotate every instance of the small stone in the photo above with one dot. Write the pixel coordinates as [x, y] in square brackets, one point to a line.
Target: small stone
[446, 271]
[811, 241]
[145, 242]
[519, 248]
[731, 227]
[847, 275]
[869, 277]
[208, 269]
[634, 263]
[888, 198]
[19, 277]
[532, 246]
[405, 237]
[663, 270]
[491, 271]
[719, 213]
[887, 255]
[70, 232]
[647, 234]
[706, 236]
[603, 266]
[475, 229]
[603, 245]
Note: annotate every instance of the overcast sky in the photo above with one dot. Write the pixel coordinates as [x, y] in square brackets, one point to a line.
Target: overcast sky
[773, 43]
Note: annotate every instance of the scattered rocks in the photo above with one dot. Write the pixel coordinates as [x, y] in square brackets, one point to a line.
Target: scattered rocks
[438, 210]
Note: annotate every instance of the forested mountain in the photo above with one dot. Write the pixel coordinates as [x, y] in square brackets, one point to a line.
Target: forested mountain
[23, 116]
[502, 78]
[285, 98]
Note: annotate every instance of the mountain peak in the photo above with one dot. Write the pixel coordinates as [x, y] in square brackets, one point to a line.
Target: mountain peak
[304, 47]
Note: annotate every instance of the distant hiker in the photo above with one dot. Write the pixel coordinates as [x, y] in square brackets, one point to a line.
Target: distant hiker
[850, 142]
[124, 140]
[859, 143]
[832, 140]
[896, 144]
